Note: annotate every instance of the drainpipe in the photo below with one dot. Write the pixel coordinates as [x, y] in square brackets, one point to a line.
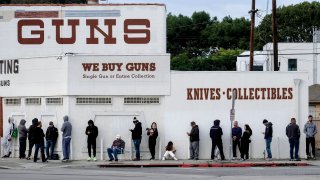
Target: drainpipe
[1, 117]
[297, 99]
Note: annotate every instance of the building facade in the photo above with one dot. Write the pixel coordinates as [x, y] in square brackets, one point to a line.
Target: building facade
[109, 63]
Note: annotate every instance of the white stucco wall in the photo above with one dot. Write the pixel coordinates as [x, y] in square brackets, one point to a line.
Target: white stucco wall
[175, 112]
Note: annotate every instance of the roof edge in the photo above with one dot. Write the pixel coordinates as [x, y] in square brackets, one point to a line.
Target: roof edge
[116, 4]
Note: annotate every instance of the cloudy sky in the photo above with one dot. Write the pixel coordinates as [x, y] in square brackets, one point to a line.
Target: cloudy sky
[219, 8]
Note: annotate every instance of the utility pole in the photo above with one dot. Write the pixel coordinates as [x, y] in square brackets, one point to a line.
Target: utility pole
[253, 15]
[275, 35]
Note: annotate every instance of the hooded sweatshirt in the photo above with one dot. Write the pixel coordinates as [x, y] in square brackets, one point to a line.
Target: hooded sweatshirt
[216, 131]
[9, 129]
[194, 134]
[66, 128]
[269, 131]
[92, 131]
[32, 129]
[137, 131]
[38, 135]
[22, 129]
[310, 129]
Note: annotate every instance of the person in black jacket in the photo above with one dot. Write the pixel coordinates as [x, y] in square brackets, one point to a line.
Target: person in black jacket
[153, 134]
[39, 142]
[268, 138]
[92, 132]
[194, 141]
[215, 135]
[293, 134]
[245, 141]
[31, 136]
[136, 137]
[51, 139]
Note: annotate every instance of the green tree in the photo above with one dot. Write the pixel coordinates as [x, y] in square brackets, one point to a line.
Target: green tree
[295, 23]
[230, 33]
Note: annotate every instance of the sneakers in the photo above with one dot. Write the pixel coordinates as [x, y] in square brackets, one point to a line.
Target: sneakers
[175, 158]
[242, 159]
[163, 158]
[234, 158]
[268, 159]
[92, 159]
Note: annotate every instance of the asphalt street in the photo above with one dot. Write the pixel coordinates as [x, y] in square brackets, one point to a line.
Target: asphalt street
[283, 173]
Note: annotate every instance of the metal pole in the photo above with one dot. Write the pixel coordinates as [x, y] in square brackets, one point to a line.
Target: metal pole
[232, 116]
[252, 12]
[275, 35]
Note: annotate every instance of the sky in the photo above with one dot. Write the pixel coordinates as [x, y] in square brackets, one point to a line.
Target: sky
[219, 8]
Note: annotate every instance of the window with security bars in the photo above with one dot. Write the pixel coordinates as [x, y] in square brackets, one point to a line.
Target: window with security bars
[12, 101]
[33, 101]
[141, 100]
[93, 100]
[54, 101]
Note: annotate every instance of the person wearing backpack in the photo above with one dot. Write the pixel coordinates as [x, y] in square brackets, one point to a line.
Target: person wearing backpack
[7, 139]
[51, 139]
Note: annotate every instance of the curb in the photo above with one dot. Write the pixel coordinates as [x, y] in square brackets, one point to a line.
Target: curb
[204, 165]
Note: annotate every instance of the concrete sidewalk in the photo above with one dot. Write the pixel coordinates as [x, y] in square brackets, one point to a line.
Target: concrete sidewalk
[13, 163]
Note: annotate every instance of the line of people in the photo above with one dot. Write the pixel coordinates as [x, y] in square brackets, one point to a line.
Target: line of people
[240, 140]
[35, 136]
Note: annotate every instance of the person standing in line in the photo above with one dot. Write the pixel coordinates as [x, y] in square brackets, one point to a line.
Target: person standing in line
[31, 137]
[92, 133]
[136, 137]
[293, 134]
[268, 138]
[310, 129]
[170, 152]
[7, 139]
[245, 141]
[194, 141]
[22, 139]
[153, 135]
[215, 135]
[51, 139]
[66, 135]
[39, 143]
[236, 136]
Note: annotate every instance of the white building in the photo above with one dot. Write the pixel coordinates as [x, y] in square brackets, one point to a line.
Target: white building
[300, 57]
[109, 63]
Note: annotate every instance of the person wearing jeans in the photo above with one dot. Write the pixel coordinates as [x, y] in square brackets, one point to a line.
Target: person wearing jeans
[268, 138]
[117, 146]
[51, 139]
[310, 129]
[66, 134]
[136, 137]
[293, 134]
